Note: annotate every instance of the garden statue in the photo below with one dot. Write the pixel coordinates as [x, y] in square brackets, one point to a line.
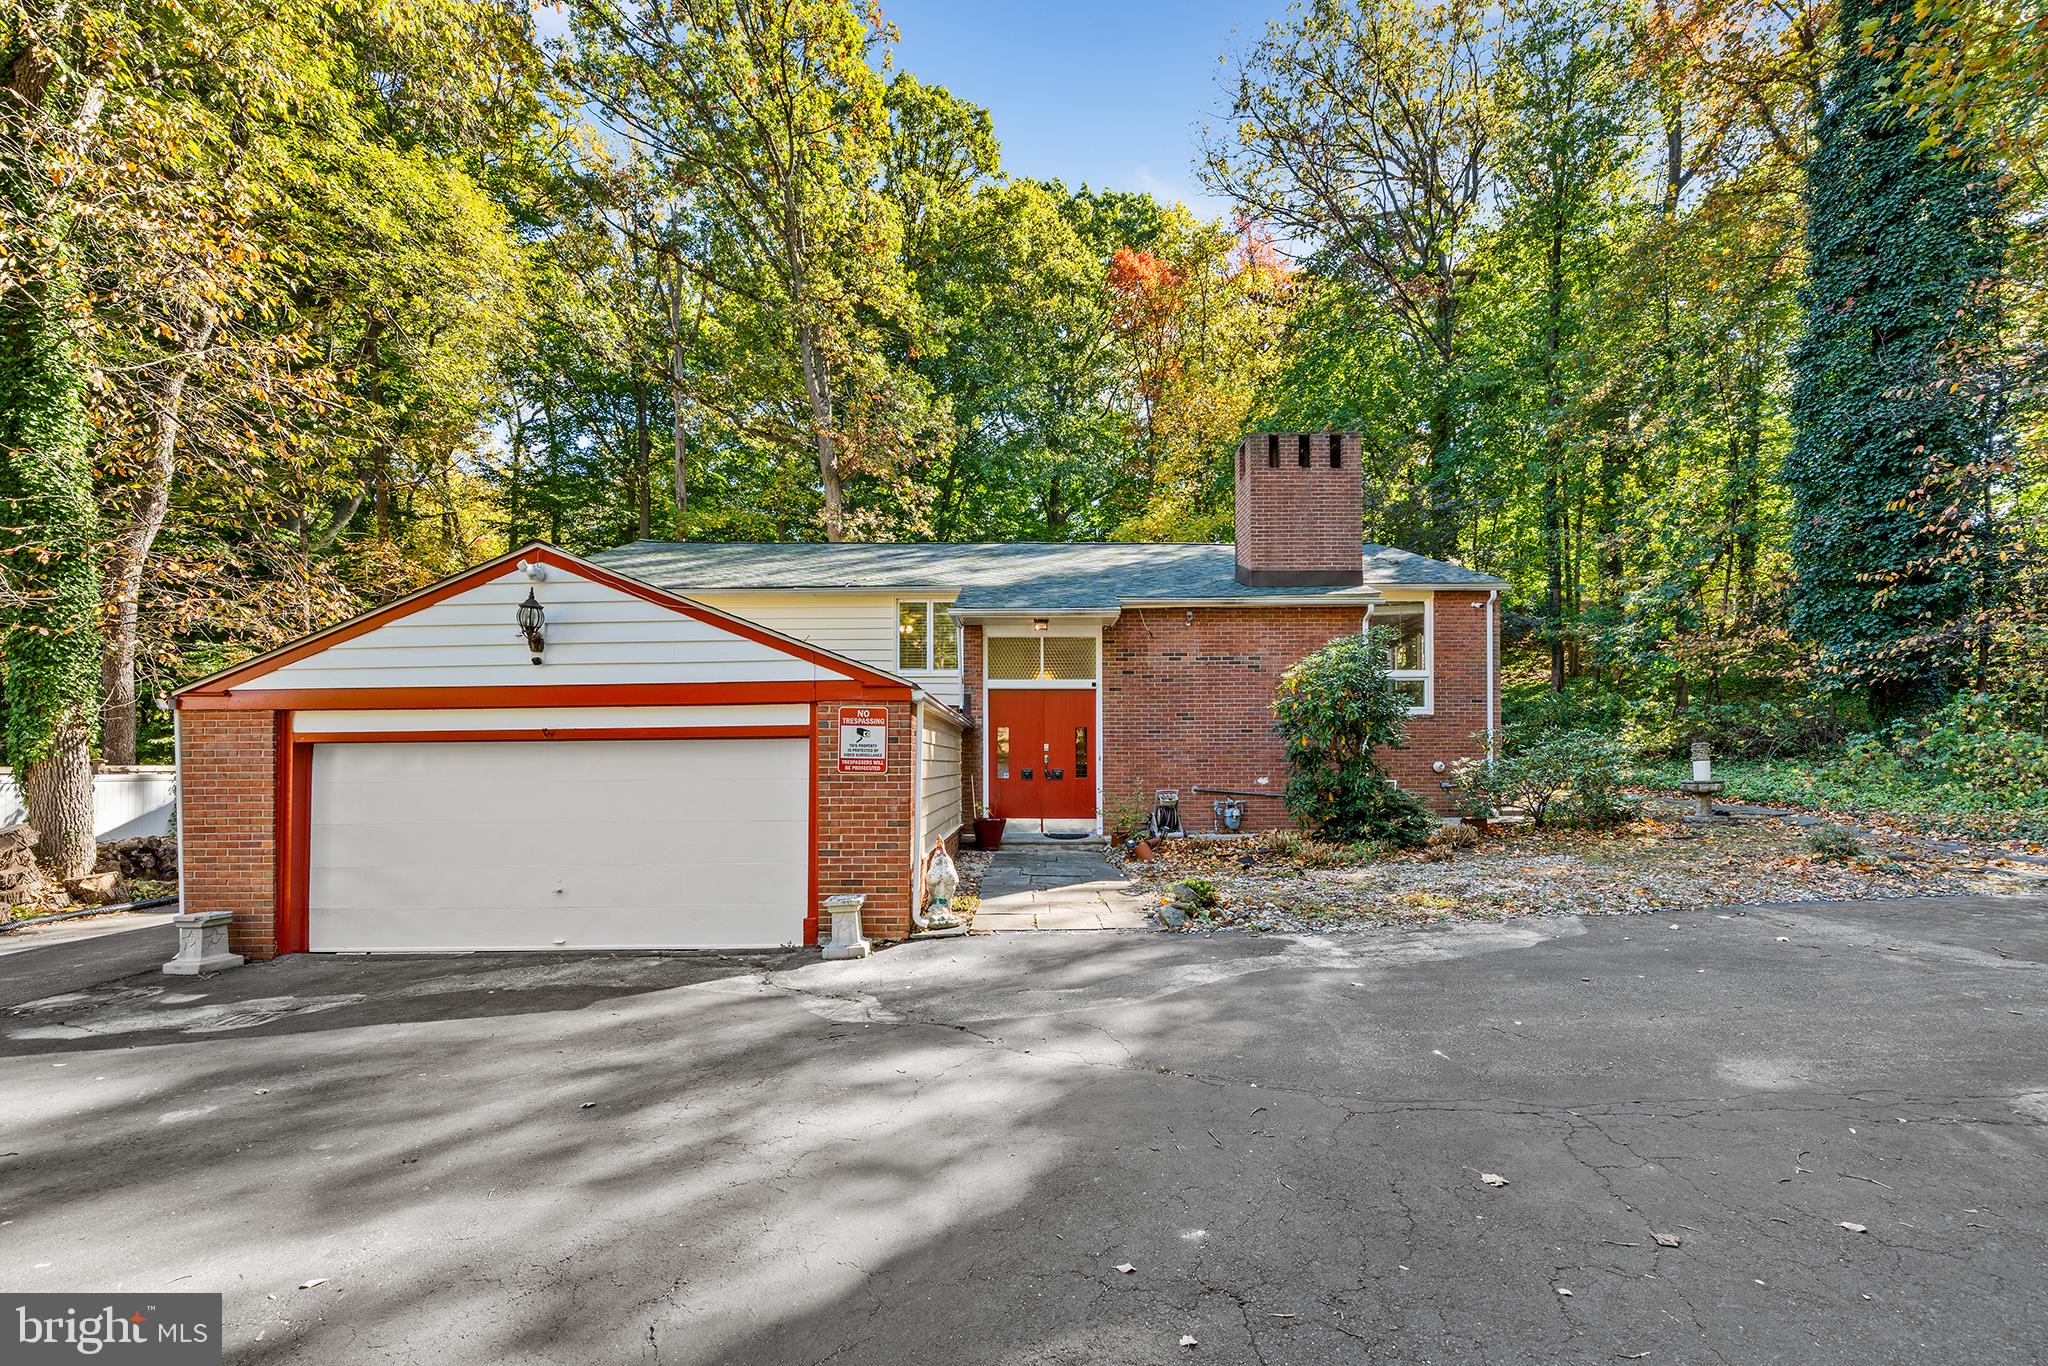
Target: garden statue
[941, 879]
[1702, 787]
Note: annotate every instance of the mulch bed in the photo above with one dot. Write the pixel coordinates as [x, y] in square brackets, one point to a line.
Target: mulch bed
[1654, 863]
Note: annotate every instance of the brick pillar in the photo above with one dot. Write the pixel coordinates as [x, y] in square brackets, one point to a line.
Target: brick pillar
[227, 785]
[866, 824]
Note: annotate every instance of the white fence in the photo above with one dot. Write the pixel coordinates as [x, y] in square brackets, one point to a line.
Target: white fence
[125, 801]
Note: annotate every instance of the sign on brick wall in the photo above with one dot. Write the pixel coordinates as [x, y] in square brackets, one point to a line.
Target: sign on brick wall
[863, 739]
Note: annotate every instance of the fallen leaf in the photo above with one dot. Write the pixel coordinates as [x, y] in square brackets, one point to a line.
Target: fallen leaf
[308, 1285]
[1492, 1179]
[588, 1105]
[1564, 1292]
[1854, 1228]
[1127, 1268]
[1666, 1239]
[1188, 1340]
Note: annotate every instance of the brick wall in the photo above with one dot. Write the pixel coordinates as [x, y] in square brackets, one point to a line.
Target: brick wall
[1292, 517]
[1190, 704]
[866, 823]
[227, 782]
[972, 652]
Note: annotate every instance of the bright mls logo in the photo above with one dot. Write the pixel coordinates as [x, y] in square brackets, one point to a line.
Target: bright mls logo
[164, 1330]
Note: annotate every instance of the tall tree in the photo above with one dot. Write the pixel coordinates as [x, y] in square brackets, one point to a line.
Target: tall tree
[1361, 129]
[55, 63]
[769, 122]
[1894, 404]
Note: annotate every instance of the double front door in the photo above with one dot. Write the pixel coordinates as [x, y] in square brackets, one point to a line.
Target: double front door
[1042, 753]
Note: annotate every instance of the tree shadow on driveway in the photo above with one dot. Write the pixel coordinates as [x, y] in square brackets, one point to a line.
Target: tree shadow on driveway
[944, 1153]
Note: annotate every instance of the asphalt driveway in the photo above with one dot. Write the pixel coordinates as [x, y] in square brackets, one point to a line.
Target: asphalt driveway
[945, 1153]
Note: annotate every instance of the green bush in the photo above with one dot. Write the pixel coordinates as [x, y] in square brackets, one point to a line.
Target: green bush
[1572, 775]
[1334, 710]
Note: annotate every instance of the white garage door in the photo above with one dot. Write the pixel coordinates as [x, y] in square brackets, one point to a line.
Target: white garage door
[568, 844]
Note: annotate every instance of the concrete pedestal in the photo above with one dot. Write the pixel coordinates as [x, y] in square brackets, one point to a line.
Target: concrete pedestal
[203, 944]
[846, 941]
[1702, 794]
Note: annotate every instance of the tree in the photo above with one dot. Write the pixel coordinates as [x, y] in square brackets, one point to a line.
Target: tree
[54, 63]
[769, 123]
[1362, 129]
[1334, 711]
[1894, 406]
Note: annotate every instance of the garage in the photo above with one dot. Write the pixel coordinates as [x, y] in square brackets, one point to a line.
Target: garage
[569, 844]
[544, 755]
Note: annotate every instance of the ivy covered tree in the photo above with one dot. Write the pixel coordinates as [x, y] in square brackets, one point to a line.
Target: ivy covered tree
[52, 93]
[1895, 397]
[1335, 711]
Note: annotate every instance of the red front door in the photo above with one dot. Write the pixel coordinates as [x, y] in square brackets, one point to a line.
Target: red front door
[1042, 753]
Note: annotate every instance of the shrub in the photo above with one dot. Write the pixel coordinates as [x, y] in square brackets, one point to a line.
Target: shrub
[1454, 837]
[1334, 710]
[1832, 842]
[1564, 775]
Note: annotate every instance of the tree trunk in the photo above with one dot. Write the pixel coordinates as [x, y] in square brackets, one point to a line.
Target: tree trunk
[130, 558]
[1553, 443]
[678, 438]
[643, 456]
[57, 790]
[818, 389]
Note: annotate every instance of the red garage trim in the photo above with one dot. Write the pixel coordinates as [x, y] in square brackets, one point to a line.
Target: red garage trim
[294, 802]
[344, 737]
[222, 683]
[542, 695]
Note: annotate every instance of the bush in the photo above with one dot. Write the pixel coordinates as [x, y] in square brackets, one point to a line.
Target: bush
[1566, 775]
[1335, 710]
[1832, 842]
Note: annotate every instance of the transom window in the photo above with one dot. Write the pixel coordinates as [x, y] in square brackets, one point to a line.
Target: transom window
[926, 638]
[1409, 656]
[1056, 659]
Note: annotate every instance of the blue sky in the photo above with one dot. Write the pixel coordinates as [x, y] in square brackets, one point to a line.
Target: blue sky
[1112, 92]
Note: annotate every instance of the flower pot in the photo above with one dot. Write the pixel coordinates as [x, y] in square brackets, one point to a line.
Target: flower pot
[988, 832]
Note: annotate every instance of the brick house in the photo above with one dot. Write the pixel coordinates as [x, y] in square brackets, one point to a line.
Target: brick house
[782, 723]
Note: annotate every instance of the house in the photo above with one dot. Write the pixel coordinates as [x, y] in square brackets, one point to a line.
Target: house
[782, 723]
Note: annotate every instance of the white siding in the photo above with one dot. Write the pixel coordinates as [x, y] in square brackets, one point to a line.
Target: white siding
[861, 626]
[548, 718]
[939, 778]
[595, 634]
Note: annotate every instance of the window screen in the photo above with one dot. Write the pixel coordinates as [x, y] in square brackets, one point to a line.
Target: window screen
[1407, 621]
[1068, 658]
[1012, 657]
[913, 635]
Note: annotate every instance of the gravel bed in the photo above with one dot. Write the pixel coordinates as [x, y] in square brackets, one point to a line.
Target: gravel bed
[1655, 863]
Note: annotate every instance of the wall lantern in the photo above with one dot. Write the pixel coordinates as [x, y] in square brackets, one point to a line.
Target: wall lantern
[532, 625]
[1039, 623]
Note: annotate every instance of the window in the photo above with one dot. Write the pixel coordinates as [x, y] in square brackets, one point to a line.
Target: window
[1301, 450]
[1409, 657]
[926, 637]
[1059, 659]
[1336, 451]
[1273, 451]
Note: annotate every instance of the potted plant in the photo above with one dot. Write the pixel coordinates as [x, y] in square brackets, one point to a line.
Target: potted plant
[988, 830]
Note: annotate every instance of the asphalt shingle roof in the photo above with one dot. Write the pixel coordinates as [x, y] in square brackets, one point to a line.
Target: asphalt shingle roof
[1006, 575]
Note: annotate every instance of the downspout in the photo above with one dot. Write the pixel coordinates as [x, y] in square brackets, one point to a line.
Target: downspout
[178, 795]
[1492, 670]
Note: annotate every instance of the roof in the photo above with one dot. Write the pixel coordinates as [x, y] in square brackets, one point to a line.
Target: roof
[1009, 576]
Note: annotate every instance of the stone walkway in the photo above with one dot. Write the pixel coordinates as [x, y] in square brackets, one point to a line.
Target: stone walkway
[1057, 887]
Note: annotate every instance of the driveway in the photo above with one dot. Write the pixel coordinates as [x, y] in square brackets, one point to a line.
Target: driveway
[946, 1152]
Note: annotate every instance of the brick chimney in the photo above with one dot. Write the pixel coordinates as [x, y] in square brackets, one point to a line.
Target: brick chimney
[1300, 510]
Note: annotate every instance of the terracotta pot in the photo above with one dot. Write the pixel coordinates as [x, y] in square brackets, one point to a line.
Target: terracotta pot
[988, 832]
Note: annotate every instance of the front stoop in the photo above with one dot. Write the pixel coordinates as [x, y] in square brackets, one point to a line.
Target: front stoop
[1056, 886]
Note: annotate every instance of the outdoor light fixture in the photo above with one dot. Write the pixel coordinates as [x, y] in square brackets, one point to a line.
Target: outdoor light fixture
[1039, 623]
[532, 624]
